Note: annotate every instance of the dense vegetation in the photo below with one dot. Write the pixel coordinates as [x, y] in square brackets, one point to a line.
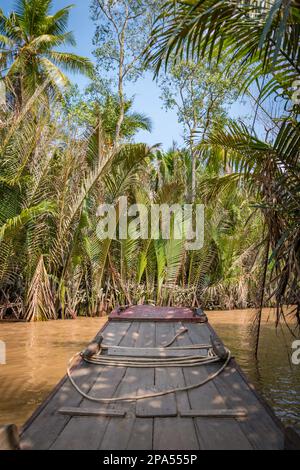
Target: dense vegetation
[64, 152]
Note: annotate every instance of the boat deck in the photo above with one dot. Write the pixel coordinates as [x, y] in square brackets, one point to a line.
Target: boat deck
[161, 423]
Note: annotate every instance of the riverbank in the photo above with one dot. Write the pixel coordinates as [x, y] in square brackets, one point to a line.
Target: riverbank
[246, 316]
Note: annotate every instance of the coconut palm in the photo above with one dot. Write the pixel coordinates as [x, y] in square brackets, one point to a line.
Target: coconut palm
[261, 41]
[257, 38]
[132, 122]
[29, 40]
[271, 172]
[51, 184]
[49, 187]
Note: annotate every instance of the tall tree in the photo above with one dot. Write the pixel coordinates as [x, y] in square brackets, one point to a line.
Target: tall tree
[85, 110]
[29, 38]
[199, 94]
[122, 30]
[261, 41]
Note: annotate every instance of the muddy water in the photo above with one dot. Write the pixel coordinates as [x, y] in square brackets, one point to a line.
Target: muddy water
[274, 375]
[37, 355]
[36, 359]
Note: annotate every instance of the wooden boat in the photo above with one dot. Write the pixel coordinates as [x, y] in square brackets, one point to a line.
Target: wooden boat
[224, 413]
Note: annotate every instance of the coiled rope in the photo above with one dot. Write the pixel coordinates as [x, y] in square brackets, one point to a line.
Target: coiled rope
[137, 362]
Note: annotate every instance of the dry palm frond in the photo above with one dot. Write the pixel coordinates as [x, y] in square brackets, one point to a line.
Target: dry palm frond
[40, 306]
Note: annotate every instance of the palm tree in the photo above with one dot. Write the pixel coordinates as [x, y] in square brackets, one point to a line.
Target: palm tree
[261, 42]
[132, 122]
[29, 38]
[271, 172]
[51, 184]
[257, 38]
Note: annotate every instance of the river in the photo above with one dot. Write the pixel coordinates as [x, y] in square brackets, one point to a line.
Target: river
[37, 354]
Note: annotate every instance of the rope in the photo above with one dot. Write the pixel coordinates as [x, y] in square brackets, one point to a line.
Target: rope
[174, 348]
[184, 361]
[180, 332]
[151, 395]
[168, 345]
[134, 362]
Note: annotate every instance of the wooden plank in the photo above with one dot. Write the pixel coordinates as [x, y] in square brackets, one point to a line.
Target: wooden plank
[149, 312]
[154, 352]
[47, 424]
[218, 433]
[9, 437]
[90, 412]
[240, 413]
[141, 436]
[126, 433]
[198, 333]
[173, 433]
[259, 427]
[164, 405]
[292, 438]
[86, 433]
[261, 430]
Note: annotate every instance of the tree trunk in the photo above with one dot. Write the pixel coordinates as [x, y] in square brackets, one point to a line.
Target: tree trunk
[193, 175]
[121, 89]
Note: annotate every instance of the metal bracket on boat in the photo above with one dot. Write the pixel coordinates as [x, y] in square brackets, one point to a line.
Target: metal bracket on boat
[218, 348]
[121, 309]
[292, 438]
[93, 348]
[9, 437]
[199, 313]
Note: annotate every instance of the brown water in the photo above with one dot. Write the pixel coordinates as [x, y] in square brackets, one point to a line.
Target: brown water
[274, 375]
[37, 355]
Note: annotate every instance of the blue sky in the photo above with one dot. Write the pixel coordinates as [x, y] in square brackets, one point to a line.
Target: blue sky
[166, 128]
